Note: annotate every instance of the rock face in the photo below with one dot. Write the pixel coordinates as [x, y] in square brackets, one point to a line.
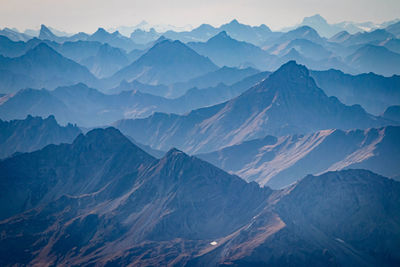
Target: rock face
[278, 162]
[33, 133]
[287, 102]
[328, 220]
[103, 201]
[103, 190]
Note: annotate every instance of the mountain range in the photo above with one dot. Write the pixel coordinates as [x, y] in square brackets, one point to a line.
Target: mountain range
[33, 133]
[375, 93]
[102, 200]
[165, 63]
[41, 66]
[328, 30]
[233, 44]
[114, 39]
[375, 59]
[277, 162]
[89, 107]
[225, 51]
[287, 102]
[230, 145]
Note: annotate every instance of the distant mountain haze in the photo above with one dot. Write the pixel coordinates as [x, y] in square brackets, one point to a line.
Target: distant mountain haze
[231, 145]
[32, 134]
[287, 102]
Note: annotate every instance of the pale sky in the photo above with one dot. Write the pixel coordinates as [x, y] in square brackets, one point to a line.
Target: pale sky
[88, 15]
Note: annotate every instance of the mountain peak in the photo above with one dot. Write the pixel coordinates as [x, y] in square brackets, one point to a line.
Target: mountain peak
[293, 68]
[316, 18]
[44, 28]
[42, 49]
[293, 80]
[293, 54]
[46, 33]
[173, 152]
[101, 30]
[175, 155]
[223, 35]
[305, 28]
[107, 138]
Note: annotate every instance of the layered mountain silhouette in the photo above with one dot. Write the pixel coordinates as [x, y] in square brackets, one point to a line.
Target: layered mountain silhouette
[10, 48]
[45, 67]
[304, 47]
[14, 35]
[392, 113]
[32, 134]
[287, 102]
[278, 162]
[114, 39]
[223, 76]
[303, 32]
[165, 63]
[316, 52]
[320, 24]
[140, 36]
[102, 60]
[107, 61]
[102, 200]
[89, 107]
[394, 29]
[46, 34]
[392, 44]
[375, 36]
[373, 92]
[326, 29]
[377, 59]
[294, 137]
[225, 51]
[253, 34]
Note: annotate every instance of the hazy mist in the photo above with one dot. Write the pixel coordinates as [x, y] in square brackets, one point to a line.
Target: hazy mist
[88, 15]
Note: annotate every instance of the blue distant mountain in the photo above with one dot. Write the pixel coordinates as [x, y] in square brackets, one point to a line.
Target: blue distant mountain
[33, 133]
[166, 62]
[101, 35]
[377, 59]
[14, 35]
[107, 61]
[287, 102]
[394, 29]
[226, 51]
[42, 66]
[293, 135]
[373, 92]
[252, 34]
[89, 108]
